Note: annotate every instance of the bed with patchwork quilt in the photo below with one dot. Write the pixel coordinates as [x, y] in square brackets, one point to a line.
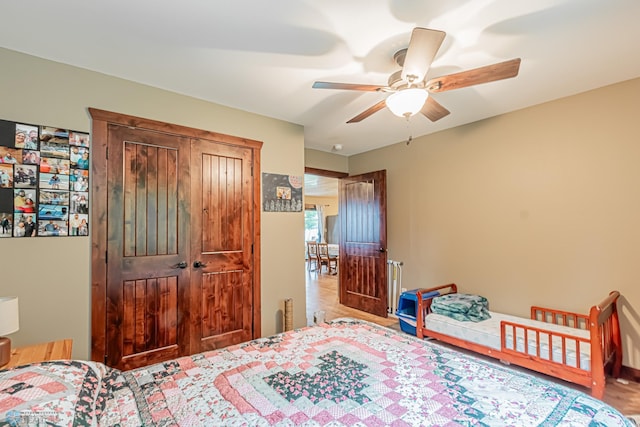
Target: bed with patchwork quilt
[342, 373]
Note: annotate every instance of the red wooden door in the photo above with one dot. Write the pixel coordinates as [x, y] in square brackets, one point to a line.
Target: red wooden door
[363, 242]
[148, 307]
[221, 209]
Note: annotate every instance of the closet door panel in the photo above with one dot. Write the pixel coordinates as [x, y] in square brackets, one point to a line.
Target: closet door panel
[148, 297]
[222, 284]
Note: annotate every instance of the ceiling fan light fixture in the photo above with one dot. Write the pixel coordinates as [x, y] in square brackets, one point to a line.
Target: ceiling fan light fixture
[407, 102]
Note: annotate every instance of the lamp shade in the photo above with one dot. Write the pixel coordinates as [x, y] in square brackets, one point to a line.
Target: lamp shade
[9, 320]
[407, 102]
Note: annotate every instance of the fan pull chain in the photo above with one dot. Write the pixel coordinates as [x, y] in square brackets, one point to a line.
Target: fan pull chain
[409, 131]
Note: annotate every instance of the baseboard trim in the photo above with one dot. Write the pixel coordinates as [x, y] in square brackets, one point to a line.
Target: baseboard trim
[629, 373]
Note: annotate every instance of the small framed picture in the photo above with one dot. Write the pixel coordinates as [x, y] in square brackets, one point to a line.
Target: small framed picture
[6, 224]
[54, 165]
[50, 149]
[53, 135]
[10, 156]
[30, 157]
[54, 197]
[283, 193]
[79, 157]
[78, 225]
[6, 175]
[58, 212]
[54, 181]
[26, 137]
[79, 139]
[52, 228]
[25, 176]
[24, 225]
[79, 180]
[24, 201]
[79, 202]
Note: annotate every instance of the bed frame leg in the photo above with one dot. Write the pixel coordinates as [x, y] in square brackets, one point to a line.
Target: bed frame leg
[597, 390]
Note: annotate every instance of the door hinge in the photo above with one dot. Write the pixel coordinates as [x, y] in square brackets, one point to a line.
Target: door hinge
[106, 257]
[105, 359]
[252, 249]
[107, 153]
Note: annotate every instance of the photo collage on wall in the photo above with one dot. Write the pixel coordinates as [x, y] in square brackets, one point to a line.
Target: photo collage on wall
[44, 181]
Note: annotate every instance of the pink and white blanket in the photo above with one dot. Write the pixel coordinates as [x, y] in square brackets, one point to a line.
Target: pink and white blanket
[343, 373]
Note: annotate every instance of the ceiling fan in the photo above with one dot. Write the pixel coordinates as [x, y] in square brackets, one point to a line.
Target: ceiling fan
[408, 87]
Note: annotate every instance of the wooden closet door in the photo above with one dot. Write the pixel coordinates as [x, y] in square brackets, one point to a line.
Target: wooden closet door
[148, 301]
[175, 240]
[222, 212]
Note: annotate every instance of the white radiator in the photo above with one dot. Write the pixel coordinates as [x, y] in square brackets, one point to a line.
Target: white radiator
[394, 286]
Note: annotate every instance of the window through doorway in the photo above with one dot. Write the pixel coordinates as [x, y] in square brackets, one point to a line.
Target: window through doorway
[311, 229]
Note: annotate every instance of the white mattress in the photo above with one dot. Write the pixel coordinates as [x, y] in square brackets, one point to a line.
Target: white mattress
[487, 333]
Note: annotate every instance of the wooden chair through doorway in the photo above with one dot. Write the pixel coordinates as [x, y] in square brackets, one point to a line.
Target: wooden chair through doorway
[312, 256]
[331, 261]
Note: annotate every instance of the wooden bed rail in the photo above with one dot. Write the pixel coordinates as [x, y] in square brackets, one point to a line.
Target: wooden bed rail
[605, 341]
[560, 317]
[533, 339]
[604, 326]
[605, 308]
[424, 307]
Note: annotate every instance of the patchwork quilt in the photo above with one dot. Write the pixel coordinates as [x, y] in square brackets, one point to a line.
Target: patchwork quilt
[344, 373]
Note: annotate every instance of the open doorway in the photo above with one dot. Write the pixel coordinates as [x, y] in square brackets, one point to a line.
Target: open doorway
[322, 288]
[321, 208]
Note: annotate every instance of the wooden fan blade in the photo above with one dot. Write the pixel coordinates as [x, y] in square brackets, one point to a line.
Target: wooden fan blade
[433, 109]
[422, 49]
[369, 111]
[348, 86]
[489, 73]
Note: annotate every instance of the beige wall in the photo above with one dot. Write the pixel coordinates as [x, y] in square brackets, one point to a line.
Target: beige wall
[540, 206]
[51, 275]
[327, 161]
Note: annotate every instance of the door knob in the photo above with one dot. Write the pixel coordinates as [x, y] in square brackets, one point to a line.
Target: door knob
[381, 249]
[182, 264]
[198, 264]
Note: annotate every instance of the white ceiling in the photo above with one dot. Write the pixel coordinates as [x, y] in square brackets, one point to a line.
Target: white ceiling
[320, 186]
[263, 56]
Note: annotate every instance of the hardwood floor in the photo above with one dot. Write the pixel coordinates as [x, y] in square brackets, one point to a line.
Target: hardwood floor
[322, 294]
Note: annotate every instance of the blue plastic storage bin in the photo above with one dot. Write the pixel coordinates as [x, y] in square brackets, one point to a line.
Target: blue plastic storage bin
[407, 307]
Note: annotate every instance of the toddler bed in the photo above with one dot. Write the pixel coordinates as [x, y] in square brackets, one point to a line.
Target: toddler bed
[342, 373]
[578, 348]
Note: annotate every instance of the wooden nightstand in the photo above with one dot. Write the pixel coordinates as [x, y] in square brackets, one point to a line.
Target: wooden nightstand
[54, 350]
